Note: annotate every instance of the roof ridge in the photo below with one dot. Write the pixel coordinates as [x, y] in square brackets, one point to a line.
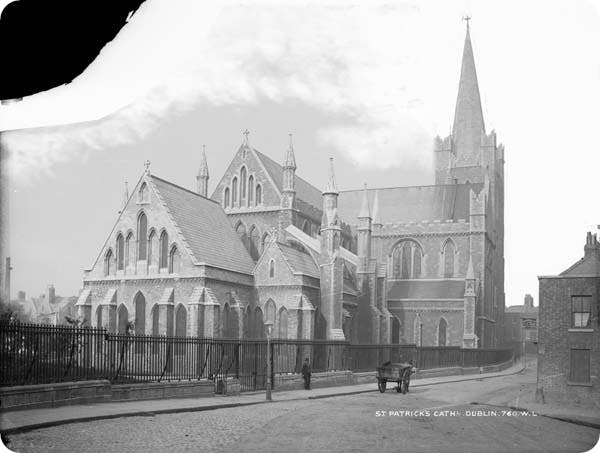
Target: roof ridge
[183, 188]
[413, 187]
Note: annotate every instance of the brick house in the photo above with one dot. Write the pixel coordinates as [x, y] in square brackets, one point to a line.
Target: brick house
[418, 264]
[569, 330]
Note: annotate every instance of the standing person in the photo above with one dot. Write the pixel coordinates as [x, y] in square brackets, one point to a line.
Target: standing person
[306, 374]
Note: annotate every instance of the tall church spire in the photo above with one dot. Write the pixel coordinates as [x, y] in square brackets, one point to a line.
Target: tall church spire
[202, 177]
[365, 210]
[468, 116]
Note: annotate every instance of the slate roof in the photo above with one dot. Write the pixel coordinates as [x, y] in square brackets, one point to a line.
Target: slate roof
[426, 290]
[300, 262]
[205, 228]
[304, 190]
[411, 204]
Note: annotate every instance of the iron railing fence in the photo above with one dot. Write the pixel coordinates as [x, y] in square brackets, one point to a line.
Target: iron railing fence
[40, 354]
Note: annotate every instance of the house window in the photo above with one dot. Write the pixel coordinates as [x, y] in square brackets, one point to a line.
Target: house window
[580, 366]
[581, 310]
[226, 201]
[272, 268]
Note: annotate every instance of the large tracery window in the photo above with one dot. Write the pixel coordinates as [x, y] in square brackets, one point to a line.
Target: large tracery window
[407, 258]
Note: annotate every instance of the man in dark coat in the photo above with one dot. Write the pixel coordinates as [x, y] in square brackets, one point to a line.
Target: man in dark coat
[306, 374]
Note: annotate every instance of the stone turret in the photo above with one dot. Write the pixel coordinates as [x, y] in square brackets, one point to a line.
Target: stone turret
[332, 265]
[364, 228]
[202, 177]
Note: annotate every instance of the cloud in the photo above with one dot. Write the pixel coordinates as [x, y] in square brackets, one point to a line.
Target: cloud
[357, 64]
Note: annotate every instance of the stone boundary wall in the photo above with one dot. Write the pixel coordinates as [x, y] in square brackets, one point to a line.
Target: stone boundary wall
[101, 391]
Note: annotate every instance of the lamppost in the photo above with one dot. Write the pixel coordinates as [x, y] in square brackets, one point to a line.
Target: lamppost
[269, 325]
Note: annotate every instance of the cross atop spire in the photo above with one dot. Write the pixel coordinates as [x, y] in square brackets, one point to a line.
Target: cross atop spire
[467, 18]
[246, 133]
[147, 166]
[331, 185]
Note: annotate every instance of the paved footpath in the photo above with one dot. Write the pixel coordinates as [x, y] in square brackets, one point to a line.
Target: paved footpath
[25, 420]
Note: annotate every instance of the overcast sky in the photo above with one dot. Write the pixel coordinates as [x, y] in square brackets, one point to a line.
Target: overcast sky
[370, 85]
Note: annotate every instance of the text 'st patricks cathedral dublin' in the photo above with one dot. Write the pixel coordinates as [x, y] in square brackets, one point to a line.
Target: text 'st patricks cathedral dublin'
[422, 264]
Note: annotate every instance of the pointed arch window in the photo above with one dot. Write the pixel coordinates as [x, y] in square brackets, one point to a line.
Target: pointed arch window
[243, 183]
[254, 243]
[272, 268]
[283, 323]
[234, 192]
[108, 263]
[142, 234]
[143, 193]
[120, 252]
[442, 332]
[250, 191]
[407, 260]
[258, 194]
[152, 247]
[174, 261]
[129, 250]
[270, 310]
[164, 250]
[449, 253]
[226, 198]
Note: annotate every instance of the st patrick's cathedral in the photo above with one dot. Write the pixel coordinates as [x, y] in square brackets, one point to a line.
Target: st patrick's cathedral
[421, 264]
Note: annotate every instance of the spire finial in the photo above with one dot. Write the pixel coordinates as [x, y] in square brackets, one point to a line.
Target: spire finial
[203, 170]
[467, 18]
[331, 185]
[126, 194]
[290, 159]
[246, 133]
[147, 166]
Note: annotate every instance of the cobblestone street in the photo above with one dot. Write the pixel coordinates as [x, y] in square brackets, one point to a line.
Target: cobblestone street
[442, 419]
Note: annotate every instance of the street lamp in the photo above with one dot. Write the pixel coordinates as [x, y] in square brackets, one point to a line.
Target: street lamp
[269, 325]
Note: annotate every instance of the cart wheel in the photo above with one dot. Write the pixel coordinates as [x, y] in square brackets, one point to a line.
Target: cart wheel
[381, 384]
[404, 387]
